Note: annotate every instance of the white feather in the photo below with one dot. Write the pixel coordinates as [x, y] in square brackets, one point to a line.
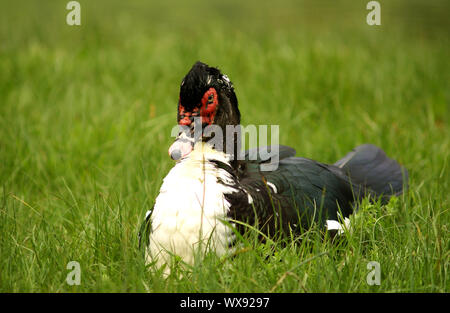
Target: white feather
[188, 212]
[250, 199]
[340, 227]
[272, 186]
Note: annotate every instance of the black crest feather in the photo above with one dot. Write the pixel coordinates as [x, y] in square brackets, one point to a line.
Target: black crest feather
[198, 80]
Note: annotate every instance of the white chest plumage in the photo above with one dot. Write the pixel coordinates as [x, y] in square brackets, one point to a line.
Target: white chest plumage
[190, 209]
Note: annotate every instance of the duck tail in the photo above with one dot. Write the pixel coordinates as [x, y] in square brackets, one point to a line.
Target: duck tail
[369, 166]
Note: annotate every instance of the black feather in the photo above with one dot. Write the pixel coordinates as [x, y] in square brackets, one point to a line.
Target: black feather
[198, 80]
[308, 191]
[369, 166]
[145, 230]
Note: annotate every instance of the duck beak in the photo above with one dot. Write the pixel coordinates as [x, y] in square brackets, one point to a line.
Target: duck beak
[182, 146]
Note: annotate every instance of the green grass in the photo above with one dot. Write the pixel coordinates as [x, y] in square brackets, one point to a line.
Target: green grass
[86, 113]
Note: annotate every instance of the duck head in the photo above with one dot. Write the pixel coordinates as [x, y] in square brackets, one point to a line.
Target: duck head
[207, 98]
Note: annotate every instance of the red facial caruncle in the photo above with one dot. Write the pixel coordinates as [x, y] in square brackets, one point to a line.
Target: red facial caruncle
[206, 111]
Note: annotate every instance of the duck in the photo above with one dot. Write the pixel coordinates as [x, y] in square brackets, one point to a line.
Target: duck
[211, 194]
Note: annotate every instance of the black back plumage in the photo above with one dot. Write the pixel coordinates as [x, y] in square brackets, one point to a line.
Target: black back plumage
[308, 191]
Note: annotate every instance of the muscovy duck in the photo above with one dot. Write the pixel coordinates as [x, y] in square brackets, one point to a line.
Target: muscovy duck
[209, 191]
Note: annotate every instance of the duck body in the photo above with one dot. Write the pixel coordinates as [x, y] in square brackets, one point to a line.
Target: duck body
[204, 197]
[210, 194]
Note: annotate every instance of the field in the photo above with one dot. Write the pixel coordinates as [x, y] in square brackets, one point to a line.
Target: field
[86, 113]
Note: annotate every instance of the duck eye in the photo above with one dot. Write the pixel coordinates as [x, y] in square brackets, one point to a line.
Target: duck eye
[210, 98]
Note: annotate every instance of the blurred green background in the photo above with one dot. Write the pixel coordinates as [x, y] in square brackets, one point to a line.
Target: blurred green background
[86, 113]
